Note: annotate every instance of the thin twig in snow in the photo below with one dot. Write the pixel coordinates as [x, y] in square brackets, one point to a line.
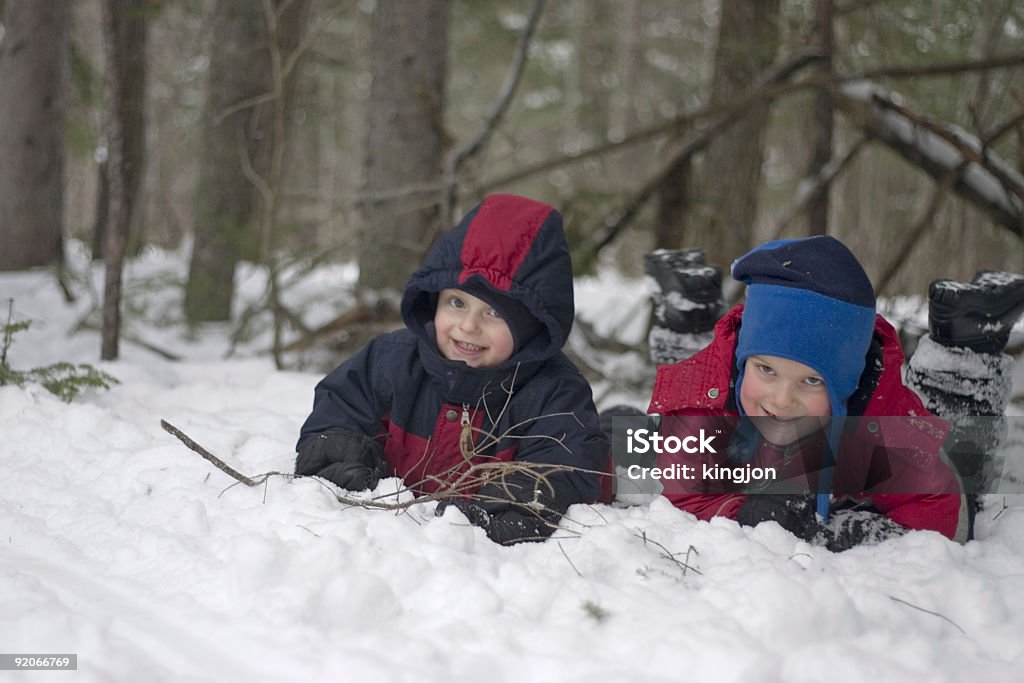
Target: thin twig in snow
[566, 555]
[928, 611]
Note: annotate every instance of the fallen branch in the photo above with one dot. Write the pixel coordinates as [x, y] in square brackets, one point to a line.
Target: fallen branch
[988, 182]
[86, 324]
[464, 484]
[940, 69]
[210, 457]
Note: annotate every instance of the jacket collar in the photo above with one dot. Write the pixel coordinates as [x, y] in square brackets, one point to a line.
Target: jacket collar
[459, 383]
[703, 381]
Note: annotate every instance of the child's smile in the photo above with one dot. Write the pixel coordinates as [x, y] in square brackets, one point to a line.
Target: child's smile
[785, 399]
[470, 330]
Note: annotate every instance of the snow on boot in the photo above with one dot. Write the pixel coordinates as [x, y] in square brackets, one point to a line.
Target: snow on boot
[970, 390]
[977, 315]
[687, 303]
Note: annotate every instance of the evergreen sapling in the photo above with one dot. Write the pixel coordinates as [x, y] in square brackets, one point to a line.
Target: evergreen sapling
[65, 380]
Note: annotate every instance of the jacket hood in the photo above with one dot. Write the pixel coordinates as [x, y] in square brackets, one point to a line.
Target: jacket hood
[703, 385]
[512, 246]
[703, 382]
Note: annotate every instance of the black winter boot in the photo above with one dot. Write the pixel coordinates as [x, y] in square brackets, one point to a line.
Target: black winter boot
[687, 303]
[977, 315]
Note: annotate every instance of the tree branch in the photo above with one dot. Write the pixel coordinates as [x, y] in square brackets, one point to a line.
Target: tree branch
[452, 484]
[941, 191]
[761, 92]
[940, 69]
[812, 187]
[512, 80]
[938, 148]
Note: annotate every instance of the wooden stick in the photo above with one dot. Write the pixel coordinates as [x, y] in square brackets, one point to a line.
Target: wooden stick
[208, 456]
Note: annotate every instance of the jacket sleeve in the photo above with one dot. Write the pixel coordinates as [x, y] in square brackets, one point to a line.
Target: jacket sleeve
[927, 497]
[922, 490]
[942, 512]
[562, 429]
[355, 396]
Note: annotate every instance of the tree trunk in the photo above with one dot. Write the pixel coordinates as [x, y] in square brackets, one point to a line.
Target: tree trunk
[592, 90]
[629, 54]
[238, 147]
[33, 85]
[114, 19]
[673, 208]
[406, 139]
[132, 30]
[131, 36]
[824, 115]
[725, 204]
[99, 224]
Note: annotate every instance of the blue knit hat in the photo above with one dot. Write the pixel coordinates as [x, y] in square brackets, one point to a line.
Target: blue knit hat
[809, 301]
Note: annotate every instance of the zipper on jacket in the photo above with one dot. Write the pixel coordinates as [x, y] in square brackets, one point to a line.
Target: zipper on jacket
[466, 435]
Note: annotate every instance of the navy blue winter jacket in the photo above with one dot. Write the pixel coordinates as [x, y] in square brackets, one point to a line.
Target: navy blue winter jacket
[536, 407]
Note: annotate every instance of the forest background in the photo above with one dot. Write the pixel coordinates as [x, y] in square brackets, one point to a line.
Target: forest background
[290, 133]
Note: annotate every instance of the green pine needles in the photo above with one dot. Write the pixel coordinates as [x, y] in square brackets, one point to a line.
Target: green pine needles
[65, 380]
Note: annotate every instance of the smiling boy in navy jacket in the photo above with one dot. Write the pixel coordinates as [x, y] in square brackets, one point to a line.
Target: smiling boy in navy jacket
[480, 358]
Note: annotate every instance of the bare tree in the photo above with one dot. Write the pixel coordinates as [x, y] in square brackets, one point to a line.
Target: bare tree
[33, 84]
[406, 140]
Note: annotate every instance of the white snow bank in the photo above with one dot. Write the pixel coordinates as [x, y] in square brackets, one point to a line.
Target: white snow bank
[119, 544]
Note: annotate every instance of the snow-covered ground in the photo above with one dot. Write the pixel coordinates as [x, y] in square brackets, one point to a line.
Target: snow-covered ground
[121, 545]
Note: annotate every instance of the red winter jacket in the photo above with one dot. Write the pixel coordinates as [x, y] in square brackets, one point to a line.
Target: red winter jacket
[919, 491]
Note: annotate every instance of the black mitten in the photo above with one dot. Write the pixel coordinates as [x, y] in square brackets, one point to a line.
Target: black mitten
[351, 460]
[520, 507]
[794, 513]
[848, 528]
[513, 526]
[476, 515]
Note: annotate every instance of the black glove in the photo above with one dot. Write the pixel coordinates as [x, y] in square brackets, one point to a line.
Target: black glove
[476, 515]
[520, 507]
[351, 460]
[848, 528]
[794, 513]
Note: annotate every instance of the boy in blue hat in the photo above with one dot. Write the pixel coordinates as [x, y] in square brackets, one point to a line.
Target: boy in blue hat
[477, 376]
[804, 351]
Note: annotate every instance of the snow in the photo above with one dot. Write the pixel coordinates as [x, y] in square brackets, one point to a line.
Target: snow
[125, 547]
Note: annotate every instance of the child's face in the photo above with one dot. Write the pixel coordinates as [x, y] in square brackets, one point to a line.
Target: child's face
[468, 329]
[787, 400]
